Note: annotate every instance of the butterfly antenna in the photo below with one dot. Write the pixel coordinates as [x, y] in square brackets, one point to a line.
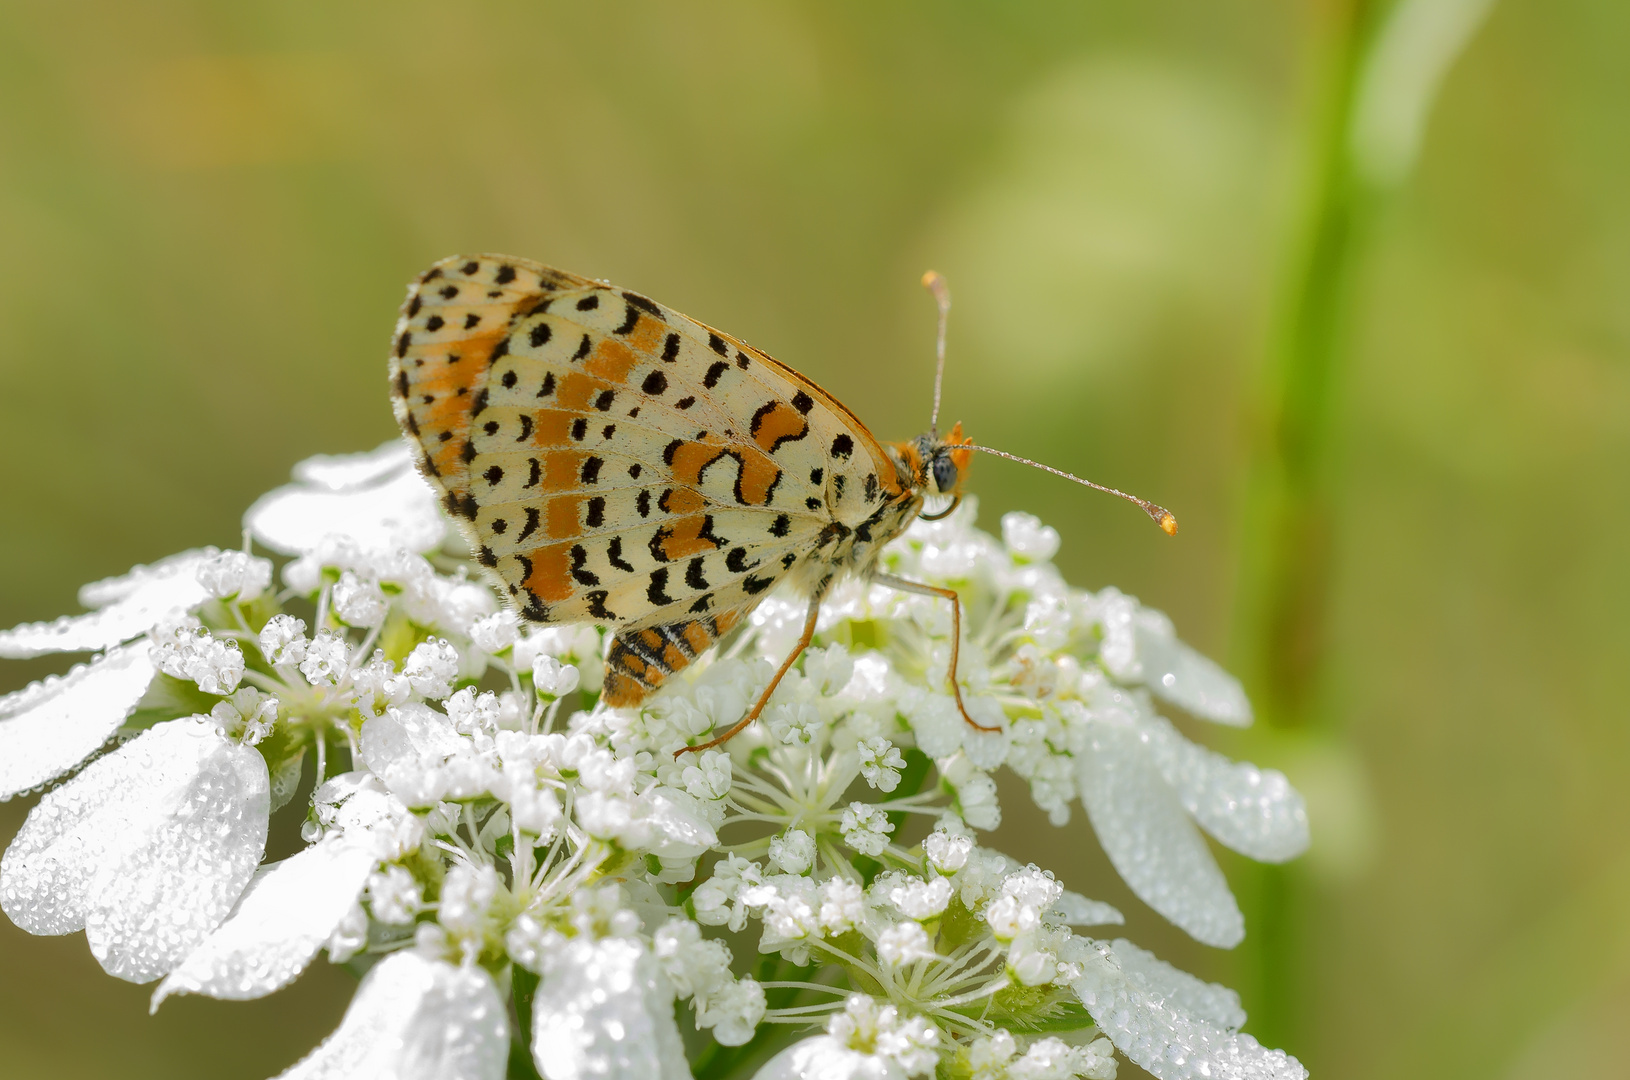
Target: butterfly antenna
[934, 282]
[1161, 516]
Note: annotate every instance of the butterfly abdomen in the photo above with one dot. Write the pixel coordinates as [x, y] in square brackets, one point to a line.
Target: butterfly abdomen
[640, 661]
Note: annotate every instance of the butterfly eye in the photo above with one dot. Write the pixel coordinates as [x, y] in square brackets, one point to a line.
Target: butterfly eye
[945, 475]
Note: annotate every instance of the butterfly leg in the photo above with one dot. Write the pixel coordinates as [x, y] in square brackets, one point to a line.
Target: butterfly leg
[956, 633]
[763, 699]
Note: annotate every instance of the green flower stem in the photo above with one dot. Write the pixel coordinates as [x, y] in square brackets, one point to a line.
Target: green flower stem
[1287, 536]
[1287, 532]
[1383, 66]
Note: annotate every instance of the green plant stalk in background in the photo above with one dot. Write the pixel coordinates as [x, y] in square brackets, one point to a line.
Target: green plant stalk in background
[1382, 67]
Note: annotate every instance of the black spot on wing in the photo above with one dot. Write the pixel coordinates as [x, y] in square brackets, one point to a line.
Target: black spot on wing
[693, 574]
[580, 556]
[650, 307]
[654, 592]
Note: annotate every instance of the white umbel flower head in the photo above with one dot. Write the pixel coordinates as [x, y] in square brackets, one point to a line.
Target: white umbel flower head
[492, 839]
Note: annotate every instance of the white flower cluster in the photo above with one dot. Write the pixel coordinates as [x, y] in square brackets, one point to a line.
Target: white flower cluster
[511, 861]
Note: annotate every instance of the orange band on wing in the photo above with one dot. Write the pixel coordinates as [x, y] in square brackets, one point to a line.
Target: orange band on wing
[612, 361]
[758, 476]
[779, 424]
[551, 576]
[562, 521]
[551, 427]
[684, 538]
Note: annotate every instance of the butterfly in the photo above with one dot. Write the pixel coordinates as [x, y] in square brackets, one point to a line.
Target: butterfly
[613, 461]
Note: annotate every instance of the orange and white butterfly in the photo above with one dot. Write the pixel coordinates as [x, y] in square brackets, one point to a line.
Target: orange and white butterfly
[613, 461]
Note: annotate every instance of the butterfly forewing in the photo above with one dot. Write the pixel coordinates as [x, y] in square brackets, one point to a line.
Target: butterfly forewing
[617, 462]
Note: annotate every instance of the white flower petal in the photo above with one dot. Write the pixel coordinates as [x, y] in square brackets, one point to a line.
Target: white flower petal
[147, 849]
[1148, 836]
[377, 500]
[129, 605]
[1073, 909]
[1177, 673]
[158, 902]
[1254, 811]
[338, 472]
[1211, 1002]
[603, 1011]
[823, 1057]
[415, 1019]
[49, 727]
[678, 829]
[279, 923]
[1156, 1030]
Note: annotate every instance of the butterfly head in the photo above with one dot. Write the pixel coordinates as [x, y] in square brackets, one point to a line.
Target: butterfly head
[937, 465]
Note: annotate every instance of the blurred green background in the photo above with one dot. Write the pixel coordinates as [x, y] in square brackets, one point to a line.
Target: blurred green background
[1390, 408]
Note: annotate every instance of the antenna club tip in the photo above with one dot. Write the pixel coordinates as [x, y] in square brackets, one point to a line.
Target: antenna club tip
[932, 278]
[1163, 517]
